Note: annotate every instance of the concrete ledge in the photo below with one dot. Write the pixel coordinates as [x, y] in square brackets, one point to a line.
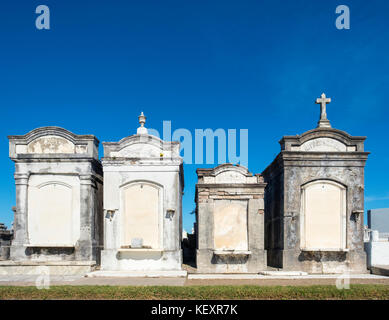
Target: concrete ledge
[43, 245]
[63, 268]
[138, 274]
[279, 276]
[231, 276]
[382, 270]
[140, 250]
[283, 273]
[232, 252]
[9, 263]
[324, 250]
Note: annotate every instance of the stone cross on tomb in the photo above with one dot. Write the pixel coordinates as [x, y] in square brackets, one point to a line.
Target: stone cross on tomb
[323, 122]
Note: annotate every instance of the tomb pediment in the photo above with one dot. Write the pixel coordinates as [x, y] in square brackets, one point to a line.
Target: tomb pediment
[323, 144]
[226, 173]
[141, 146]
[138, 150]
[51, 144]
[323, 140]
[47, 141]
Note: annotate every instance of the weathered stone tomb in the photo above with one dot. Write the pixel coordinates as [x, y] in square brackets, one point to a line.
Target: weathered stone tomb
[58, 213]
[314, 201]
[5, 242]
[143, 186]
[230, 220]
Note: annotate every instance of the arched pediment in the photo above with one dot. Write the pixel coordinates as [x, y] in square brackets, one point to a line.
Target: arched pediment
[227, 174]
[323, 140]
[141, 146]
[323, 144]
[230, 173]
[52, 140]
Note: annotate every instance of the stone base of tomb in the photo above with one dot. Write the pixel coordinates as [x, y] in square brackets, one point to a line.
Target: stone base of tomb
[381, 270]
[57, 253]
[138, 274]
[215, 261]
[141, 260]
[63, 268]
[319, 262]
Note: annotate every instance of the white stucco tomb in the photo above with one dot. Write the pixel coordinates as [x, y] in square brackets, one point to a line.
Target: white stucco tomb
[142, 204]
[377, 242]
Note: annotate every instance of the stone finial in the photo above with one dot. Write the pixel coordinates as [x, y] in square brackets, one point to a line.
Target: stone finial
[142, 120]
[323, 122]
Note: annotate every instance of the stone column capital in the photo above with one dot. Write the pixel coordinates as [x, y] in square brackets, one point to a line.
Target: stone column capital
[87, 180]
[21, 178]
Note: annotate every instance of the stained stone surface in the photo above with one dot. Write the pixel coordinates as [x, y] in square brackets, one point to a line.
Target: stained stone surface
[323, 154]
[58, 173]
[229, 220]
[5, 242]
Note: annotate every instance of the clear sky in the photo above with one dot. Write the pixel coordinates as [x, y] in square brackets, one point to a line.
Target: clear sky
[256, 65]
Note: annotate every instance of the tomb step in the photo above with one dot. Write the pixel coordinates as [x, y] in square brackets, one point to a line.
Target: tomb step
[381, 270]
[283, 273]
[138, 274]
[224, 276]
[63, 268]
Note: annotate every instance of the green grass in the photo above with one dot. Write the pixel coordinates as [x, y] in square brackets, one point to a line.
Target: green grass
[196, 292]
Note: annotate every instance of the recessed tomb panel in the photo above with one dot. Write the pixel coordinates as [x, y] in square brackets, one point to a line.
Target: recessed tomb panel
[230, 225]
[324, 209]
[53, 210]
[142, 216]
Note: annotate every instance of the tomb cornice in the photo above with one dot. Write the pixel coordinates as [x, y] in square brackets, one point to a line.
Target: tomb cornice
[49, 157]
[52, 142]
[121, 161]
[231, 185]
[323, 156]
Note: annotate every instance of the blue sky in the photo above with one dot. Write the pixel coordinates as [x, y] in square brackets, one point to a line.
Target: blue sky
[256, 65]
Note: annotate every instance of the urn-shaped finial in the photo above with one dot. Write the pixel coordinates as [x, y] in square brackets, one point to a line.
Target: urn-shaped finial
[142, 121]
